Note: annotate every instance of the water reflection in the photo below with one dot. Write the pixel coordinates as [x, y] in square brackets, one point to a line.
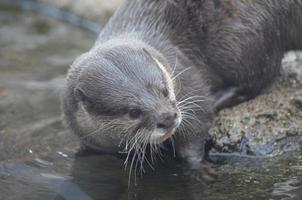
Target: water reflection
[284, 190]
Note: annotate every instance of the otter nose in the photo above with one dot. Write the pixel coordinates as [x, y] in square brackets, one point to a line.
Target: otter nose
[166, 120]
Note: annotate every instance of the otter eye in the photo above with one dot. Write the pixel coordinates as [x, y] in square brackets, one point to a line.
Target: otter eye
[165, 92]
[135, 113]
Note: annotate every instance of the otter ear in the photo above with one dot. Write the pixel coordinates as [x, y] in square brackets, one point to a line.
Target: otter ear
[81, 96]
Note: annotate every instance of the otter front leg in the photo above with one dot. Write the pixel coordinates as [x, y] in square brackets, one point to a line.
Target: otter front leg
[191, 150]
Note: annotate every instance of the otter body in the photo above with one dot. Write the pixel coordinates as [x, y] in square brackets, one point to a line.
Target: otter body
[160, 70]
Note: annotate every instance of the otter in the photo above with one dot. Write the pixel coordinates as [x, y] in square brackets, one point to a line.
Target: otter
[159, 71]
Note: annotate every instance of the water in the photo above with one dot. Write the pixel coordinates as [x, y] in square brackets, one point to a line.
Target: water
[37, 154]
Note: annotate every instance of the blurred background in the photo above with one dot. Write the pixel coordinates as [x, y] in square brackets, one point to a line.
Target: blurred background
[38, 42]
[39, 39]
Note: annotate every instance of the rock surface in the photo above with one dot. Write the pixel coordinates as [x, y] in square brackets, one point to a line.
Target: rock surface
[269, 124]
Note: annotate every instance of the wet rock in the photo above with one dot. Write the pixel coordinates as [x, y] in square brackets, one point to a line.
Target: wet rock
[269, 124]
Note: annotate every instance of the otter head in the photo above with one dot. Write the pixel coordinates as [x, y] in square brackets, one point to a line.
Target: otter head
[127, 94]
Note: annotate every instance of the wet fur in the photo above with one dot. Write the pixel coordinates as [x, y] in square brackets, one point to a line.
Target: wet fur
[226, 51]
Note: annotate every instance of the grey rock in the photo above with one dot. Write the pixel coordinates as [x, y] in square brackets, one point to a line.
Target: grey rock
[269, 124]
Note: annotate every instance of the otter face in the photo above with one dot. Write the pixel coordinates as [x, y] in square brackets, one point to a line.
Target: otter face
[128, 93]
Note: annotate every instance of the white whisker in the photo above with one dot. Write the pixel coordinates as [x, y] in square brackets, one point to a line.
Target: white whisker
[180, 73]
